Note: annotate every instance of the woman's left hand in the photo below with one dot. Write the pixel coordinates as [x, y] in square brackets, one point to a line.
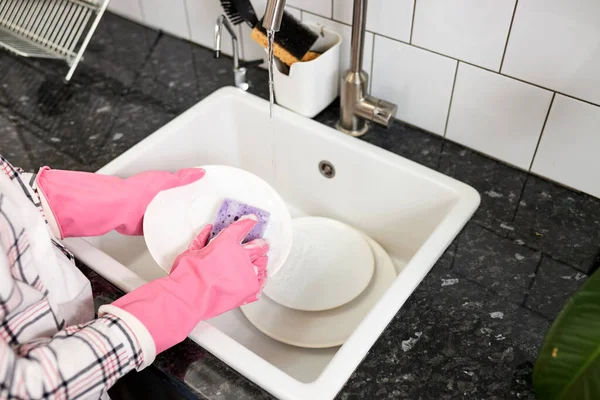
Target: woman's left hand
[80, 204]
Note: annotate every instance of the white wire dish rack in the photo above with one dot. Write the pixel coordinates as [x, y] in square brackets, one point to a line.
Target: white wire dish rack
[58, 29]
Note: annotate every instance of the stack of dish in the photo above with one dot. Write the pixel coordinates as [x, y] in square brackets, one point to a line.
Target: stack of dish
[324, 275]
[332, 278]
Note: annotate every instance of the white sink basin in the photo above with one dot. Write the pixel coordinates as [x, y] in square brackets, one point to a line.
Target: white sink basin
[412, 211]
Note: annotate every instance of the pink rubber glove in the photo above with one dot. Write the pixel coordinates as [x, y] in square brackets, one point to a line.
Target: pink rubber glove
[88, 204]
[204, 282]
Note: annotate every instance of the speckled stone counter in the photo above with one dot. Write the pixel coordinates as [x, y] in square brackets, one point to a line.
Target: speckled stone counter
[472, 329]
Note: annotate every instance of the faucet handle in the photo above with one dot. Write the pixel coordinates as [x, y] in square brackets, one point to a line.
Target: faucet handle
[251, 63]
[384, 113]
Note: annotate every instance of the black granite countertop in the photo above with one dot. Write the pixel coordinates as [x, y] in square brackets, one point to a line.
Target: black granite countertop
[480, 315]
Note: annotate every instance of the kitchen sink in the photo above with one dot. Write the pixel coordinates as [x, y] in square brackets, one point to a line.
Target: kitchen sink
[410, 210]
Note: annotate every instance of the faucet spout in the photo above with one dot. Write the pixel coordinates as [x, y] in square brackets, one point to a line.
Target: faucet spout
[239, 72]
[357, 107]
[221, 20]
[273, 15]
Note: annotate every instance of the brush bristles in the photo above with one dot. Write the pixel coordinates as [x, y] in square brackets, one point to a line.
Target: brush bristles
[232, 13]
[294, 37]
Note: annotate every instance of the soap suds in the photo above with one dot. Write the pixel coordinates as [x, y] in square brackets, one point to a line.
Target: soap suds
[497, 315]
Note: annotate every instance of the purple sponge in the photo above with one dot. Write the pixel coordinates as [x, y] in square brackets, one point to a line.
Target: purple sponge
[232, 210]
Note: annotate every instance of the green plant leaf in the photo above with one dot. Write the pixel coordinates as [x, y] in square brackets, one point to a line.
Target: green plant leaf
[568, 366]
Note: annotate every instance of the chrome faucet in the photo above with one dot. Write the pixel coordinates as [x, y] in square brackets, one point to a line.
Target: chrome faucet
[357, 107]
[240, 69]
[273, 15]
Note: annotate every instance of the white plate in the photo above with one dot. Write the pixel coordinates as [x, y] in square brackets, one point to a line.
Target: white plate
[330, 264]
[324, 328]
[175, 216]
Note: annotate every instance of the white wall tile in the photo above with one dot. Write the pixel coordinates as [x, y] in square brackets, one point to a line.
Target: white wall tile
[556, 44]
[568, 150]
[127, 8]
[418, 81]
[167, 16]
[497, 115]
[346, 33]
[470, 30]
[392, 18]
[202, 17]
[320, 7]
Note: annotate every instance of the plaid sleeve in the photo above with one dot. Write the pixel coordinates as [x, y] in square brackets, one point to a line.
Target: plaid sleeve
[27, 183]
[78, 362]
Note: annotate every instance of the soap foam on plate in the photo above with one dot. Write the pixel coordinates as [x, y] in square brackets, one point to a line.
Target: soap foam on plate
[232, 210]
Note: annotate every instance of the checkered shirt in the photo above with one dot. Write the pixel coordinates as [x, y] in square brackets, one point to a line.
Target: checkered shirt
[41, 355]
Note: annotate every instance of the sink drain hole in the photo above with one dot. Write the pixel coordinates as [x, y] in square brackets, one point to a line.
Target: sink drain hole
[327, 169]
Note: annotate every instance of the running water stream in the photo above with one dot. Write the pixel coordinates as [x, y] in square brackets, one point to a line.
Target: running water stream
[271, 61]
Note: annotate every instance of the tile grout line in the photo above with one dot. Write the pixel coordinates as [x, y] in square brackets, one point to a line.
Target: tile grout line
[24, 125]
[493, 292]
[508, 35]
[595, 265]
[147, 58]
[542, 131]
[471, 64]
[332, 8]
[30, 123]
[127, 90]
[531, 248]
[187, 19]
[521, 194]
[537, 270]
[451, 98]
[443, 147]
[412, 24]
[453, 58]
[141, 6]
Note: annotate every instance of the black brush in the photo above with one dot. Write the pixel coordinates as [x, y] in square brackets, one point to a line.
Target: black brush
[293, 41]
[239, 11]
[245, 9]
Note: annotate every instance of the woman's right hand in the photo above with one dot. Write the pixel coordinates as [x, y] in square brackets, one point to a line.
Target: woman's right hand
[206, 280]
[242, 269]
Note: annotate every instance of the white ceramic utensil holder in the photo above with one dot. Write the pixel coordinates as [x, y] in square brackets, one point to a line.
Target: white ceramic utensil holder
[309, 87]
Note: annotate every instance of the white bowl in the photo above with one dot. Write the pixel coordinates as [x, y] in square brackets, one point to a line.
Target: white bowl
[175, 216]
